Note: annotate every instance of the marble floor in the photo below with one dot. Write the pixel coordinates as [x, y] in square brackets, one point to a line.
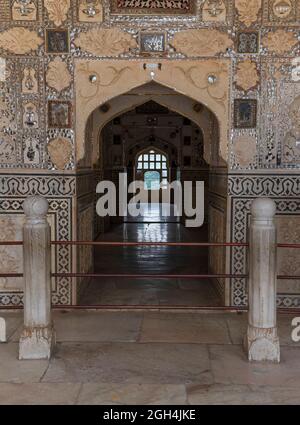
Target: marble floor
[153, 226]
[148, 358]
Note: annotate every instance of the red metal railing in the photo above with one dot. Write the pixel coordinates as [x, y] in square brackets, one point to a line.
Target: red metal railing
[153, 276]
[104, 243]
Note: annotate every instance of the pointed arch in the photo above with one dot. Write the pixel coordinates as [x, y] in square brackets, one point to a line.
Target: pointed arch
[189, 78]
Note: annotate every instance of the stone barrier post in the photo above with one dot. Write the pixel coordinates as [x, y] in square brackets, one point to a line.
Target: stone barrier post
[261, 342]
[38, 336]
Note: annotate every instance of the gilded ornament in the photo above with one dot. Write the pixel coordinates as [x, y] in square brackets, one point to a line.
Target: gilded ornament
[248, 10]
[105, 42]
[246, 76]
[58, 76]
[201, 42]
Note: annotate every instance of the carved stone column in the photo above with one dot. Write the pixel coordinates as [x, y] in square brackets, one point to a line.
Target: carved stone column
[261, 341]
[38, 337]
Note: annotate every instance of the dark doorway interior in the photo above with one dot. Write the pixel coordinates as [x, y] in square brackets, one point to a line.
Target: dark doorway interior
[126, 142]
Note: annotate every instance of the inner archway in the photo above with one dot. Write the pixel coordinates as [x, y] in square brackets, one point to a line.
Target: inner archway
[120, 137]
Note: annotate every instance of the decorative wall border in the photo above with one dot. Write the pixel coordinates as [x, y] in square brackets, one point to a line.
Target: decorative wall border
[24, 185]
[264, 185]
[247, 188]
[59, 191]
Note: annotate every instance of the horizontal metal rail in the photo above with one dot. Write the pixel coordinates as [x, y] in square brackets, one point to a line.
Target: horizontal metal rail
[286, 277]
[135, 307]
[110, 243]
[152, 276]
[11, 243]
[288, 245]
[280, 310]
[104, 243]
[151, 307]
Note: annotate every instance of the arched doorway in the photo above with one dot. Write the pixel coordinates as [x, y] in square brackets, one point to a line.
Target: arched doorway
[152, 135]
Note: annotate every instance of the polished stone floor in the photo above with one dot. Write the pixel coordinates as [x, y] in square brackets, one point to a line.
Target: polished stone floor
[148, 358]
[153, 226]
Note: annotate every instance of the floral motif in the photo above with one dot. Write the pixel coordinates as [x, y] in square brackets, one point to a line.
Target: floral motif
[248, 10]
[105, 42]
[244, 150]
[57, 10]
[60, 151]
[280, 41]
[20, 40]
[202, 42]
[90, 90]
[246, 76]
[58, 75]
[7, 146]
[211, 79]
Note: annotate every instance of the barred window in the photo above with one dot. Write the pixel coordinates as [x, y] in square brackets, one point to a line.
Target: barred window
[154, 167]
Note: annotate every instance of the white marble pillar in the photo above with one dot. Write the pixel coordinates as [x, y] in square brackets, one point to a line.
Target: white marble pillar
[38, 336]
[261, 341]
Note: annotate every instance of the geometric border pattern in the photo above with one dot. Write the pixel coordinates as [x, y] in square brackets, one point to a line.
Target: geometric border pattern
[285, 190]
[264, 185]
[40, 184]
[16, 188]
[62, 210]
[240, 212]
